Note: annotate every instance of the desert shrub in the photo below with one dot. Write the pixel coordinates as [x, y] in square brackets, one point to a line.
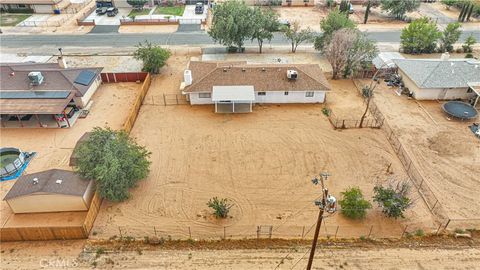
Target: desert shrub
[459, 230]
[353, 204]
[469, 42]
[221, 207]
[393, 199]
[469, 55]
[419, 233]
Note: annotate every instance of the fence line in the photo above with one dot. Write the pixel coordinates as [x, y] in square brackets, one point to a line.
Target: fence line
[132, 117]
[166, 100]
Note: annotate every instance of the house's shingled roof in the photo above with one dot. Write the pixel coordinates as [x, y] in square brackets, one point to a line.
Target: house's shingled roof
[440, 73]
[270, 77]
[55, 78]
[72, 184]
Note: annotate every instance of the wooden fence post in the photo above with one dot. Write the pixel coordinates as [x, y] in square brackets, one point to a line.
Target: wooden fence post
[370, 232]
[303, 231]
[446, 225]
[404, 230]
[155, 230]
[338, 226]
[164, 100]
[438, 230]
[224, 232]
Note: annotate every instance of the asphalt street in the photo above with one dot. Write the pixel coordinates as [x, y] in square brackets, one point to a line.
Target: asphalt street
[199, 38]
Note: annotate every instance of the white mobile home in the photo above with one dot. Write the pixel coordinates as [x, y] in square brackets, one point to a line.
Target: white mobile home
[230, 84]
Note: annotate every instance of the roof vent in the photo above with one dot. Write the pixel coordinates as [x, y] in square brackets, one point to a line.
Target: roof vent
[243, 69]
[35, 77]
[224, 70]
[263, 69]
[35, 181]
[292, 74]
[59, 181]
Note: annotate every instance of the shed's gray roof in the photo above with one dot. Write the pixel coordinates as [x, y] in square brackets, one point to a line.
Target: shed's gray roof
[72, 184]
[440, 73]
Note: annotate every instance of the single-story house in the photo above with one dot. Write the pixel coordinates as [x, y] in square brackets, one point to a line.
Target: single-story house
[33, 6]
[235, 86]
[50, 191]
[440, 79]
[50, 90]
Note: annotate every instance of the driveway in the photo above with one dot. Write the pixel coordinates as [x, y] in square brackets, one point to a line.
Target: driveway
[429, 11]
[105, 20]
[189, 14]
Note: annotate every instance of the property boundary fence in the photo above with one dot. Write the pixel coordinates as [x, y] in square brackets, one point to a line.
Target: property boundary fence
[166, 100]
[54, 232]
[46, 23]
[155, 21]
[112, 77]
[132, 116]
[82, 19]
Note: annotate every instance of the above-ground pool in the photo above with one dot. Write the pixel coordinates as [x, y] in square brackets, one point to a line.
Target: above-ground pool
[13, 162]
[460, 110]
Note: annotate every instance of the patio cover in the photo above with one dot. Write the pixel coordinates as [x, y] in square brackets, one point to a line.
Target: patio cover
[34, 106]
[233, 93]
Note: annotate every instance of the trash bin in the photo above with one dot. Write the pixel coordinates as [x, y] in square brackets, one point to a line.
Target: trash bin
[56, 11]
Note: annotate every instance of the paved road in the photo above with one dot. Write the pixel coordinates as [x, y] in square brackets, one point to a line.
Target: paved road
[178, 38]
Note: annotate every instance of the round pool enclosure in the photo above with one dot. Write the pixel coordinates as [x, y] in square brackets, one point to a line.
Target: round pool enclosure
[12, 162]
[459, 109]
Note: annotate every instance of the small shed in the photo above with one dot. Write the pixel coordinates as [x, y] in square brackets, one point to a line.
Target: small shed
[50, 191]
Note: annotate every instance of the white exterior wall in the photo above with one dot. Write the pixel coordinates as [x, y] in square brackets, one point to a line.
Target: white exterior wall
[43, 8]
[47, 203]
[435, 93]
[271, 97]
[83, 101]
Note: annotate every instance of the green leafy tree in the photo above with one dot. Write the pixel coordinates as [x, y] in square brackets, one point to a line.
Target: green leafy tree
[450, 35]
[368, 5]
[353, 205]
[469, 42]
[420, 36]
[265, 23]
[232, 23]
[398, 9]
[114, 160]
[296, 35]
[333, 22]
[220, 207]
[153, 57]
[137, 4]
[393, 199]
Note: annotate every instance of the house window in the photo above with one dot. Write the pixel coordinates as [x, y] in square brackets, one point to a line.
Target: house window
[285, 93]
[262, 93]
[204, 95]
[309, 94]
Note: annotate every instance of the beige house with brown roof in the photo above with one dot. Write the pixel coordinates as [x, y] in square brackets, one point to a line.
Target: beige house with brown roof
[35, 6]
[236, 86]
[50, 191]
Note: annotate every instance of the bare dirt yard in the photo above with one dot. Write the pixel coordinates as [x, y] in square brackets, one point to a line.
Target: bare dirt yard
[444, 150]
[262, 162]
[263, 254]
[111, 105]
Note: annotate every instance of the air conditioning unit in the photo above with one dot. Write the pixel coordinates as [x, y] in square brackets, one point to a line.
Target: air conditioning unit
[35, 77]
[292, 74]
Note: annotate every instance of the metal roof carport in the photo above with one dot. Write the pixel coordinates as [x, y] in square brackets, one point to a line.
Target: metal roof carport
[233, 99]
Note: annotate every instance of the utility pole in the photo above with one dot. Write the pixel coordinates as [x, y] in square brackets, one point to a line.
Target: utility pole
[328, 204]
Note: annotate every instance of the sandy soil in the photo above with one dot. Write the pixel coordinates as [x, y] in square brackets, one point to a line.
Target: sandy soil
[110, 63]
[148, 28]
[261, 161]
[111, 105]
[69, 255]
[445, 151]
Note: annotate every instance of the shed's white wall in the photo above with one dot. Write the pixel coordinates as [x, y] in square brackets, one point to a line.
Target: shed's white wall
[271, 97]
[83, 101]
[435, 93]
[38, 203]
[43, 8]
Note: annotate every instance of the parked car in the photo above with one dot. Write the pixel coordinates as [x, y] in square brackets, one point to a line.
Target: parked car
[199, 8]
[112, 12]
[101, 11]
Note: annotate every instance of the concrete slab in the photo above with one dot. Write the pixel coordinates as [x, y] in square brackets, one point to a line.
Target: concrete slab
[105, 20]
[102, 29]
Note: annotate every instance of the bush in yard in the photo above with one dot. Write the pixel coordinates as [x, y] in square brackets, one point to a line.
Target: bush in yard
[450, 36]
[137, 4]
[296, 35]
[420, 36]
[398, 9]
[469, 42]
[393, 199]
[154, 57]
[114, 160]
[353, 204]
[221, 207]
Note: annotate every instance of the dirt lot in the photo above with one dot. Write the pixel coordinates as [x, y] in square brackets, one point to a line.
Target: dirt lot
[262, 162]
[110, 63]
[445, 151]
[412, 254]
[111, 105]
